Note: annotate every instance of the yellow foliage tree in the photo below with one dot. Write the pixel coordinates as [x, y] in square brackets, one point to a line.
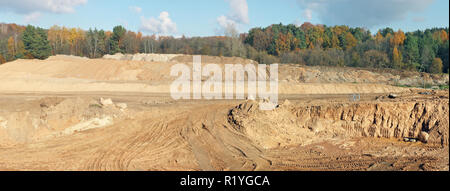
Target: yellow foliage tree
[335, 41]
[379, 37]
[436, 66]
[2, 59]
[20, 50]
[397, 58]
[283, 43]
[72, 38]
[139, 39]
[440, 36]
[444, 35]
[398, 39]
[75, 38]
[11, 48]
[350, 41]
[53, 36]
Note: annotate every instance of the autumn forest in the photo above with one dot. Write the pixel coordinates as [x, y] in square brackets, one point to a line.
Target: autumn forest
[308, 44]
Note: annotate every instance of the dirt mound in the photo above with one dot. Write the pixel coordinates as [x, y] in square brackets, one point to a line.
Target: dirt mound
[319, 74]
[155, 68]
[67, 67]
[143, 57]
[60, 57]
[299, 125]
[76, 74]
[214, 60]
[55, 116]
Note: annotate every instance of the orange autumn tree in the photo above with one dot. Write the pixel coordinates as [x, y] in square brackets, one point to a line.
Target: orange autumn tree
[379, 37]
[138, 40]
[440, 36]
[350, 41]
[397, 58]
[2, 59]
[398, 39]
[15, 48]
[55, 37]
[11, 48]
[335, 41]
[444, 36]
[284, 43]
[436, 66]
[72, 38]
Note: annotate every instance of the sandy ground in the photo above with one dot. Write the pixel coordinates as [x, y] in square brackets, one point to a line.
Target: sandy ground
[56, 115]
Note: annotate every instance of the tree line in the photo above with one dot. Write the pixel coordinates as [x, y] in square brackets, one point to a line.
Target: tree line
[308, 44]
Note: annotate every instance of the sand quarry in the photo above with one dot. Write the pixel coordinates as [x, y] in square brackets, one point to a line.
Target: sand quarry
[116, 113]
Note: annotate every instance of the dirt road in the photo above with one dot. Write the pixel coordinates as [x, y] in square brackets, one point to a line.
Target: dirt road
[154, 133]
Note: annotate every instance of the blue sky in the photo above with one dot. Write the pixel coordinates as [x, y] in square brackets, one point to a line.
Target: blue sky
[213, 17]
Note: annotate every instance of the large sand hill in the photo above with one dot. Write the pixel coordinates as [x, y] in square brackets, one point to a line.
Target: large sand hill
[75, 74]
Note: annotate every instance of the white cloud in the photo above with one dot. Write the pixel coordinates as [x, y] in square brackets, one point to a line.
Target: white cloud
[363, 13]
[135, 9]
[32, 17]
[238, 15]
[32, 6]
[162, 25]
[419, 19]
[227, 26]
[239, 11]
[225, 22]
[33, 9]
[307, 13]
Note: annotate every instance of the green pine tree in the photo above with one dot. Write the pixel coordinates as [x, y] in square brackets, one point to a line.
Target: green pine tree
[36, 43]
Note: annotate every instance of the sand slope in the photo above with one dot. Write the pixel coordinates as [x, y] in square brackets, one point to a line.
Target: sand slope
[75, 74]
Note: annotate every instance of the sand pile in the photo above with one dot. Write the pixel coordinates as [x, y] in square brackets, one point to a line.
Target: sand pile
[289, 124]
[143, 57]
[180, 58]
[54, 116]
[303, 74]
[76, 74]
[214, 60]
